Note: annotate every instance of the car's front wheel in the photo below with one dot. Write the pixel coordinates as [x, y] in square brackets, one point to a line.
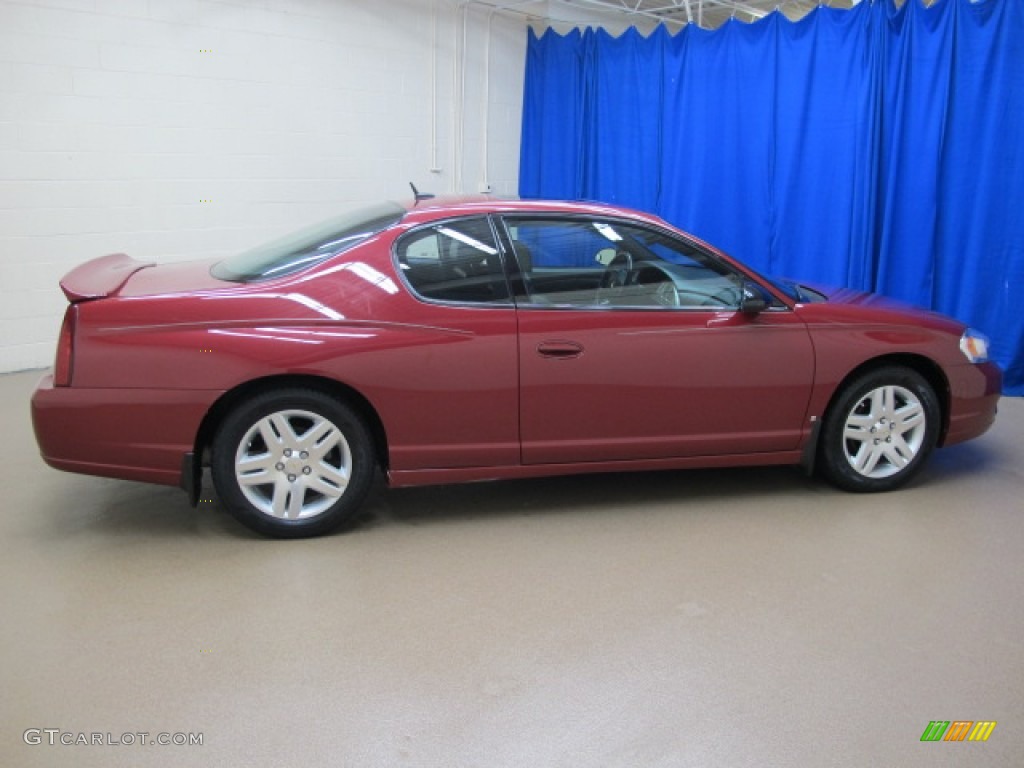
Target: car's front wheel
[880, 430]
[293, 463]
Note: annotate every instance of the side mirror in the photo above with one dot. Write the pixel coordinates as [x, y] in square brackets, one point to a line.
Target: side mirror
[605, 256]
[754, 301]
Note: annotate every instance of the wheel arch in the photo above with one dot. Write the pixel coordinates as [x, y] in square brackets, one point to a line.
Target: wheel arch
[330, 387]
[926, 367]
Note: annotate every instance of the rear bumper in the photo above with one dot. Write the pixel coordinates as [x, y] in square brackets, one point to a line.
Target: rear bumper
[132, 434]
[974, 398]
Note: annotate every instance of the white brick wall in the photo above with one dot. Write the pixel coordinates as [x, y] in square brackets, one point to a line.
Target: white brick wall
[117, 117]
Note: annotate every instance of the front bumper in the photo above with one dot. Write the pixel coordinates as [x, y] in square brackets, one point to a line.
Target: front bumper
[974, 392]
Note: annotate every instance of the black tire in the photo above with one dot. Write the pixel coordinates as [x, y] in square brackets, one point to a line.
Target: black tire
[293, 492]
[893, 415]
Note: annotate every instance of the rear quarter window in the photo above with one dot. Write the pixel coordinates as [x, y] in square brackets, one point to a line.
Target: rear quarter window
[456, 261]
[305, 247]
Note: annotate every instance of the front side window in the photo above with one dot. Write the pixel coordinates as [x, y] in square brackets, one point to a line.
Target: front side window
[609, 264]
[455, 261]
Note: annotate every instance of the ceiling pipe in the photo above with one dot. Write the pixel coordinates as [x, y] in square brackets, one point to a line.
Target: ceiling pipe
[434, 167]
[515, 8]
[621, 8]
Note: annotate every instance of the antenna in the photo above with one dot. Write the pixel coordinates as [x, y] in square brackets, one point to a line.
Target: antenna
[419, 195]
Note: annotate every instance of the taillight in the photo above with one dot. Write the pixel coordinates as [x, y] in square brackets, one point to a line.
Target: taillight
[62, 366]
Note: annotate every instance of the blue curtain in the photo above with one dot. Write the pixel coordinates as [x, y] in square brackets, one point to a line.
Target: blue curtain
[877, 147]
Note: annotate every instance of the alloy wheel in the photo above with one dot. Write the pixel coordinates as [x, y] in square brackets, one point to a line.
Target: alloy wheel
[884, 431]
[293, 464]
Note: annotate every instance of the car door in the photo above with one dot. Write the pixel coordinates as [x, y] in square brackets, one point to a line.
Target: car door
[631, 346]
[452, 391]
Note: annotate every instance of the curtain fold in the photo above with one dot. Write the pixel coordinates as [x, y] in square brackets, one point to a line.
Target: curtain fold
[877, 147]
[717, 135]
[624, 137]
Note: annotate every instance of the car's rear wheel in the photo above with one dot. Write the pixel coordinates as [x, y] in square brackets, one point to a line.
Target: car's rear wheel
[881, 429]
[293, 463]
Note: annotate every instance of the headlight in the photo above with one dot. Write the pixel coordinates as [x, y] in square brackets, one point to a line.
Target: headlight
[974, 345]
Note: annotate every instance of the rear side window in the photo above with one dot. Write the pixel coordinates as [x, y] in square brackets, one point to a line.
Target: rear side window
[307, 246]
[454, 261]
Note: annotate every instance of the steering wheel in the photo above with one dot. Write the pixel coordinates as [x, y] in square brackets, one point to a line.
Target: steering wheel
[720, 301]
[618, 271]
[727, 296]
[666, 294]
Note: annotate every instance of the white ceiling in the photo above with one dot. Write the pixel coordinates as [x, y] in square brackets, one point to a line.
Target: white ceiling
[648, 13]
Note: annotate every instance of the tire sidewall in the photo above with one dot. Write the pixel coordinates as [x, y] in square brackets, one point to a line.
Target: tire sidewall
[834, 463]
[238, 423]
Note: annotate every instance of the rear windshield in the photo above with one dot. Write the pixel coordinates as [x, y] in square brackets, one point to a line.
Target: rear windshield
[309, 245]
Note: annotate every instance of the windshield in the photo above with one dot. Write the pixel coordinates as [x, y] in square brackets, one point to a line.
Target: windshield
[309, 245]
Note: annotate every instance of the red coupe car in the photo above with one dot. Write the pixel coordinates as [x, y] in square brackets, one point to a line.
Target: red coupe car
[467, 339]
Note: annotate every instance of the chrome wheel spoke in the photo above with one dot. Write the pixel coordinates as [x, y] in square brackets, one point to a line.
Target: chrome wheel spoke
[284, 428]
[858, 436]
[899, 452]
[320, 440]
[860, 421]
[263, 462]
[878, 403]
[287, 499]
[295, 500]
[910, 416]
[858, 428]
[316, 433]
[281, 497]
[866, 458]
[895, 458]
[887, 399]
[271, 437]
[318, 452]
[328, 480]
[325, 488]
[257, 477]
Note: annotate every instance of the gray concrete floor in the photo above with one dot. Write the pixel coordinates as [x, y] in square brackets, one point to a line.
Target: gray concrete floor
[702, 618]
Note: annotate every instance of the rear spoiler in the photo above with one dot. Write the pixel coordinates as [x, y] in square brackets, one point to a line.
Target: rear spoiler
[100, 277]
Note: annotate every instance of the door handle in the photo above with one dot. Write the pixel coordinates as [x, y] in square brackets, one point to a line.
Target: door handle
[560, 350]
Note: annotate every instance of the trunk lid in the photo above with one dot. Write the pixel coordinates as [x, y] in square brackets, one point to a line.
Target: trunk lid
[176, 277]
